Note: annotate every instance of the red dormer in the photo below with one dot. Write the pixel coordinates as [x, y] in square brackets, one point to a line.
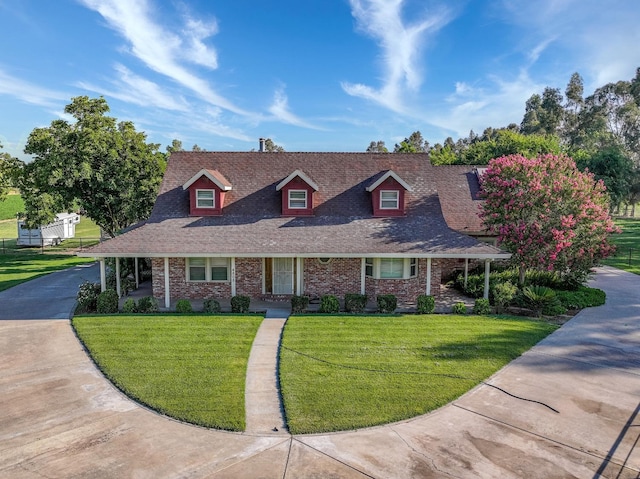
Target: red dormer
[207, 190]
[297, 194]
[388, 195]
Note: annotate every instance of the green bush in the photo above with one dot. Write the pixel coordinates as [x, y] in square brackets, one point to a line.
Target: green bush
[503, 294]
[539, 298]
[211, 306]
[355, 303]
[129, 306]
[475, 280]
[107, 302]
[184, 306]
[481, 306]
[329, 304]
[88, 296]
[583, 297]
[148, 304]
[299, 303]
[387, 303]
[426, 304]
[459, 308]
[240, 304]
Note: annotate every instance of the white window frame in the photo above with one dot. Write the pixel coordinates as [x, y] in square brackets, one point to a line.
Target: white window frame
[212, 199]
[290, 199]
[395, 200]
[409, 268]
[209, 263]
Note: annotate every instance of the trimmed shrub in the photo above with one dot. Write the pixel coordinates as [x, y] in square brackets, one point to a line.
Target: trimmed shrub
[481, 306]
[88, 296]
[355, 303]
[459, 308]
[387, 303]
[240, 304]
[503, 294]
[299, 303]
[329, 304]
[211, 306]
[426, 304]
[539, 298]
[583, 297]
[107, 302]
[184, 306]
[148, 304]
[129, 306]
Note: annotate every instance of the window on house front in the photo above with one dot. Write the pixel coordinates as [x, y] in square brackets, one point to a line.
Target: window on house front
[389, 200]
[297, 199]
[391, 268]
[205, 199]
[208, 269]
[368, 267]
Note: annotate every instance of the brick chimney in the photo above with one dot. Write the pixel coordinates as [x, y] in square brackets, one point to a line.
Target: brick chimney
[261, 143]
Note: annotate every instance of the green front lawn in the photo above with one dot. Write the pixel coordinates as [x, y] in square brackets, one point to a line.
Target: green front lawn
[628, 255]
[347, 372]
[190, 367]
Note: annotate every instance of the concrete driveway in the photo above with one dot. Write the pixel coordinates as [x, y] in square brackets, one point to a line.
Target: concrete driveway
[59, 418]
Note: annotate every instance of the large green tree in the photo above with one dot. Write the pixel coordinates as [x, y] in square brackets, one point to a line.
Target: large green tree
[414, 144]
[377, 147]
[9, 166]
[104, 167]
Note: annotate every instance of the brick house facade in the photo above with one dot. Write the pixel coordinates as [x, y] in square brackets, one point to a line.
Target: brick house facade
[270, 225]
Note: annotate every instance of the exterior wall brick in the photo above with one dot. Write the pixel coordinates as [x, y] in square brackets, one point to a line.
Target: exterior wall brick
[339, 276]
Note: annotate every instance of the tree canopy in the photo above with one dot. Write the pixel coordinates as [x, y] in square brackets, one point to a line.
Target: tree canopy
[9, 166]
[377, 147]
[547, 214]
[98, 165]
[414, 144]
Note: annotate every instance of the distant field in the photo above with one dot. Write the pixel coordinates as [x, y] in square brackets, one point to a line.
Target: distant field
[10, 206]
[628, 255]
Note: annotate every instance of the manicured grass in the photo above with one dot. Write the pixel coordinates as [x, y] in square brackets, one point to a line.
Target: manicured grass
[190, 367]
[10, 206]
[18, 267]
[628, 255]
[348, 372]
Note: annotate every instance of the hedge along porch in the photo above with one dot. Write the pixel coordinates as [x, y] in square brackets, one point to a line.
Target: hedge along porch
[269, 225]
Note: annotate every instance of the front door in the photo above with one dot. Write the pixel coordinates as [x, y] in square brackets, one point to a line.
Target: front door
[283, 275]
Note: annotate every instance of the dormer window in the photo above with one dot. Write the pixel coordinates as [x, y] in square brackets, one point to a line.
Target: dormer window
[297, 194]
[389, 200]
[297, 199]
[388, 193]
[207, 190]
[205, 199]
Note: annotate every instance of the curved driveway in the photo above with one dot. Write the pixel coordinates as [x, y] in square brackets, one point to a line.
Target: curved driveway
[59, 418]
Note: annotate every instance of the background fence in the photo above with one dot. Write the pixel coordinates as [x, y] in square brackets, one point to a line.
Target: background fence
[10, 246]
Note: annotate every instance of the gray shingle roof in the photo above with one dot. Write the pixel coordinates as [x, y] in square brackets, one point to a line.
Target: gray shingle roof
[252, 225]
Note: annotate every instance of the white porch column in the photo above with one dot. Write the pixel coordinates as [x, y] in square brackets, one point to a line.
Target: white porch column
[135, 268]
[363, 276]
[466, 272]
[103, 275]
[487, 270]
[428, 291]
[299, 276]
[118, 288]
[233, 276]
[167, 293]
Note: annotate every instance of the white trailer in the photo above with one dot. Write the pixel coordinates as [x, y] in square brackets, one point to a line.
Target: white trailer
[62, 228]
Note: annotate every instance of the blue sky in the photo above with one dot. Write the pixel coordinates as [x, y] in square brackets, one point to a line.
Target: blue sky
[313, 75]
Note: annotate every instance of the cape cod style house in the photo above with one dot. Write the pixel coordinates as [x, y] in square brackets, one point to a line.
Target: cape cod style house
[271, 225]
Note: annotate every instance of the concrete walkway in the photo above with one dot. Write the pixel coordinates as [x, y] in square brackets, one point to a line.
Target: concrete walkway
[60, 418]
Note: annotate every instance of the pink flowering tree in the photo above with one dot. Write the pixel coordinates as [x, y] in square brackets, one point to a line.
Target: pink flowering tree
[547, 214]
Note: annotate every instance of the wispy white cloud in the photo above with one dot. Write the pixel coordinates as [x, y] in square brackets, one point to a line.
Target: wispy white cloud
[280, 110]
[28, 92]
[400, 45]
[135, 89]
[160, 49]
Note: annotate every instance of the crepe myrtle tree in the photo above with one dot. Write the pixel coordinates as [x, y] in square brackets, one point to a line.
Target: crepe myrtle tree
[548, 214]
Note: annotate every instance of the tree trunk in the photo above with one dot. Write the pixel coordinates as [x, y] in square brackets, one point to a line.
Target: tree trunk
[522, 272]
